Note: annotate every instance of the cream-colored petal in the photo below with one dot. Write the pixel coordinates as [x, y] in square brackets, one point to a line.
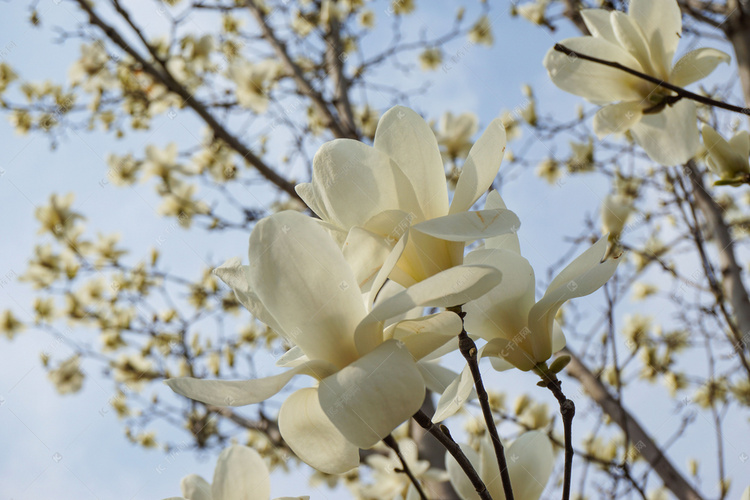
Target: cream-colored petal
[303, 280]
[530, 464]
[727, 162]
[356, 181]
[457, 476]
[423, 336]
[740, 143]
[244, 392]
[310, 196]
[593, 81]
[240, 474]
[630, 37]
[460, 390]
[696, 65]
[470, 226]
[508, 241]
[661, 23]
[617, 118]
[480, 168]
[406, 138]
[195, 487]
[583, 276]
[669, 137]
[365, 252]
[511, 351]
[436, 377]
[313, 437]
[558, 338]
[746, 494]
[369, 398]
[293, 357]
[599, 24]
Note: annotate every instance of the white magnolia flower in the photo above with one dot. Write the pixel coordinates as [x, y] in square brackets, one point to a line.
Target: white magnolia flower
[530, 463]
[518, 329]
[645, 39]
[368, 197]
[299, 284]
[454, 134]
[615, 210]
[240, 474]
[729, 160]
[254, 82]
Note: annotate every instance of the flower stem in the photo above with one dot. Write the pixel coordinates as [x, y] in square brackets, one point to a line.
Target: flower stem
[678, 90]
[444, 437]
[393, 444]
[567, 411]
[469, 351]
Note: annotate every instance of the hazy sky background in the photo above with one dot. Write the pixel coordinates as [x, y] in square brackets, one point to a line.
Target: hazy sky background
[73, 446]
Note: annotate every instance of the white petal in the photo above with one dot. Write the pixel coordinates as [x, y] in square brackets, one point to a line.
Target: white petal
[195, 487]
[365, 252]
[312, 199]
[725, 157]
[244, 392]
[387, 268]
[511, 351]
[696, 65]
[583, 276]
[480, 167]
[455, 395]
[669, 137]
[599, 24]
[631, 37]
[423, 336]
[617, 118]
[405, 137]
[240, 473]
[740, 143]
[507, 241]
[313, 437]
[293, 357]
[374, 395]
[746, 494]
[593, 81]
[436, 377]
[303, 280]
[470, 226]
[530, 464]
[356, 181]
[457, 476]
[661, 23]
[449, 288]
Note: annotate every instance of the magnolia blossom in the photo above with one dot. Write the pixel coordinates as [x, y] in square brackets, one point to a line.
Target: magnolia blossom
[254, 81]
[299, 284]
[240, 474]
[728, 159]
[529, 467]
[454, 134]
[615, 210]
[645, 39]
[369, 196]
[518, 329]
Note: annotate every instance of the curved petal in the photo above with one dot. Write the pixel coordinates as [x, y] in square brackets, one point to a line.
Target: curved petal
[508, 241]
[293, 357]
[470, 226]
[630, 37]
[313, 437]
[302, 278]
[312, 199]
[356, 181]
[726, 160]
[365, 252]
[457, 476]
[530, 465]
[460, 390]
[407, 139]
[661, 23]
[671, 136]
[617, 118]
[511, 351]
[423, 336]
[599, 24]
[740, 143]
[244, 392]
[595, 82]
[696, 65]
[480, 168]
[436, 377]
[583, 276]
[239, 471]
[503, 311]
[374, 395]
[195, 487]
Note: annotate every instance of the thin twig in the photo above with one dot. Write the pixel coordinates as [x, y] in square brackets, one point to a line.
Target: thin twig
[567, 411]
[469, 351]
[682, 93]
[445, 438]
[393, 444]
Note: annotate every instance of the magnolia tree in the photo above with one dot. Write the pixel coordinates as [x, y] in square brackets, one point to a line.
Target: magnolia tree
[394, 290]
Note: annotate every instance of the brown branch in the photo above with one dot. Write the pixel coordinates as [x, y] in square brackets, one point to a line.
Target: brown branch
[649, 450]
[391, 443]
[335, 58]
[567, 412]
[165, 78]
